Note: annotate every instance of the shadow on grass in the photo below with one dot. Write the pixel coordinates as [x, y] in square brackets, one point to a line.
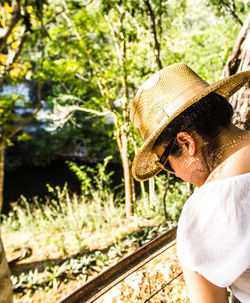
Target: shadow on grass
[133, 240]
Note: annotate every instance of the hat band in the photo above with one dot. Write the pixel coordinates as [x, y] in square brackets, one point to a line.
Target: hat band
[178, 102]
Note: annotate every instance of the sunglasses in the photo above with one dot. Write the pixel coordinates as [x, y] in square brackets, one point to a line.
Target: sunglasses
[163, 162]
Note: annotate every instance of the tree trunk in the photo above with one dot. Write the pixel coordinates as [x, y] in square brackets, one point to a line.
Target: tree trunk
[1, 175]
[230, 7]
[122, 141]
[128, 179]
[151, 183]
[165, 197]
[238, 61]
[6, 294]
[157, 46]
[143, 190]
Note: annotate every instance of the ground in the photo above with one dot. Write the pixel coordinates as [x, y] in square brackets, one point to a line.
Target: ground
[51, 261]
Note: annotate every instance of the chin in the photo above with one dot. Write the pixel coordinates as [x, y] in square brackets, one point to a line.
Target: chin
[198, 184]
[198, 181]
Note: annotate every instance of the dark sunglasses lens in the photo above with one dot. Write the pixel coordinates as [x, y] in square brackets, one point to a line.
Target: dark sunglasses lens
[164, 157]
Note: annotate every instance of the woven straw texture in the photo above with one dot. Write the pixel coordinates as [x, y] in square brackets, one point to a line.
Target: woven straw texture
[163, 97]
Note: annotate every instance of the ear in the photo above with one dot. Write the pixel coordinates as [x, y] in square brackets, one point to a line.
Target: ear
[186, 142]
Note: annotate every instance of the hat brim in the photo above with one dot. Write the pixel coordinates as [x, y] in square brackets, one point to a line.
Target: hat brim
[144, 166]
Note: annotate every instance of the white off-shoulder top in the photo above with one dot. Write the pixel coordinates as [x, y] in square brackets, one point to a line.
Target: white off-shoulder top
[213, 236]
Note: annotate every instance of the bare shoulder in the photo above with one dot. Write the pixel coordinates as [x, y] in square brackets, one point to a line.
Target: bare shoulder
[242, 156]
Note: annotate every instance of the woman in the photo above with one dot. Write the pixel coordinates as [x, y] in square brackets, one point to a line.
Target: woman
[186, 125]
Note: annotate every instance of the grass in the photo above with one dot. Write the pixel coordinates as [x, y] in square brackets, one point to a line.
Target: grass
[75, 237]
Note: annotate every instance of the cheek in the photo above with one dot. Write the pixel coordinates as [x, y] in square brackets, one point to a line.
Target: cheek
[188, 170]
[181, 167]
[185, 166]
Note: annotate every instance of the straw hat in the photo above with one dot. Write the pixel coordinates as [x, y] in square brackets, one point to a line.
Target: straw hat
[163, 97]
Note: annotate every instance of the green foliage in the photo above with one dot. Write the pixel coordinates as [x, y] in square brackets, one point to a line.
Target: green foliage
[7, 112]
[233, 8]
[96, 211]
[96, 179]
[61, 210]
[201, 40]
[44, 145]
[81, 56]
[63, 214]
[81, 218]
[82, 59]
[82, 174]
[53, 275]
[24, 136]
[175, 192]
[84, 265]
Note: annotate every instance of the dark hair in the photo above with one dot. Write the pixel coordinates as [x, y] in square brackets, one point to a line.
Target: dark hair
[207, 118]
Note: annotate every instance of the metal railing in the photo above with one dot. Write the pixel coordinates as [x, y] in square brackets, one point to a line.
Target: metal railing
[96, 287]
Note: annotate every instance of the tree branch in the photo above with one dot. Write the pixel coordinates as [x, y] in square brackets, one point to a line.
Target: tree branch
[16, 17]
[153, 28]
[91, 111]
[235, 16]
[62, 114]
[231, 9]
[13, 55]
[232, 63]
[27, 119]
[103, 88]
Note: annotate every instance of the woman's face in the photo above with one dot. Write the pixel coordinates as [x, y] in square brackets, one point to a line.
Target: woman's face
[190, 169]
[191, 165]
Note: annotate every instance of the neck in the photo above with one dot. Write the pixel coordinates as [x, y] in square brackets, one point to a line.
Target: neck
[229, 141]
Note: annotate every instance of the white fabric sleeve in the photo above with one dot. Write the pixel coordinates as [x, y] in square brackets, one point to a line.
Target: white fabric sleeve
[213, 236]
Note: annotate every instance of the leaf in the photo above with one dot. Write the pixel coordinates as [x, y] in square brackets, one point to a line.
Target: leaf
[24, 137]
[7, 7]
[3, 58]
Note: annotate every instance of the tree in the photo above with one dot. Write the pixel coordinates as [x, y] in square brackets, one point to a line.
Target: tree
[100, 52]
[238, 61]
[17, 20]
[16, 26]
[104, 48]
[157, 45]
[122, 128]
[95, 55]
[105, 85]
[232, 7]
